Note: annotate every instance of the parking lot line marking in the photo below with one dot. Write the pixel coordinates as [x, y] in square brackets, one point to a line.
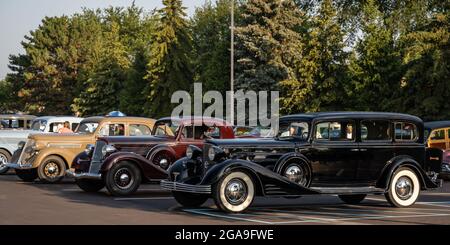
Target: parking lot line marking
[381, 217]
[141, 198]
[200, 211]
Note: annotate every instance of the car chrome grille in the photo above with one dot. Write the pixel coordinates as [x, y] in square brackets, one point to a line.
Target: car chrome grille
[24, 156]
[97, 157]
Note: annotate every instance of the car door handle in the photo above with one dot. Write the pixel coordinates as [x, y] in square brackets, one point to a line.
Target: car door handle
[362, 149]
[354, 149]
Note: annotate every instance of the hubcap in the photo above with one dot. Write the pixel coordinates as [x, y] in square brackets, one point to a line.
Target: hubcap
[3, 160]
[123, 178]
[163, 163]
[296, 174]
[51, 169]
[404, 188]
[236, 191]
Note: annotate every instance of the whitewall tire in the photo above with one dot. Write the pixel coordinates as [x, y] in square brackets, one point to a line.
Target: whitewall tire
[234, 192]
[404, 188]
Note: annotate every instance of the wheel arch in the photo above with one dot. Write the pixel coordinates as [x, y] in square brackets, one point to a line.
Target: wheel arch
[160, 148]
[288, 157]
[8, 151]
[55, 155]
[403, 161]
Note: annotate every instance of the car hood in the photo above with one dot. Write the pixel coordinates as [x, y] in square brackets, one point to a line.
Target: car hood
[136, 139]
[252, 142]
[49, 137]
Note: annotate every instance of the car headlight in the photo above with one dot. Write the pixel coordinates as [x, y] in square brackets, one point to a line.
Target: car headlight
[107, 149]
[213, 152]
[193, 151]
[89, 149]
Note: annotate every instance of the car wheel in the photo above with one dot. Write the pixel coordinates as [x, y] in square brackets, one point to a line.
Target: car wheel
[5, 157]
[297, 172]
[234, 192]
[52, 169]
[162, 159]
[190, 200]
[352, 199]
[123, 179]
[404, 188]
[27, 175]
[89, 185]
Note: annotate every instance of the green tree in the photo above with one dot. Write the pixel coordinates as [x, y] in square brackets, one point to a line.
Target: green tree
[322, 70]
[267, 44]
[425, 86]
[169, 67]
[375, 65]
[102, 87]
[211, 43]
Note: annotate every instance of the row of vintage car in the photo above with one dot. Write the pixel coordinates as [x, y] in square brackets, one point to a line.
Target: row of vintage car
[349, 154]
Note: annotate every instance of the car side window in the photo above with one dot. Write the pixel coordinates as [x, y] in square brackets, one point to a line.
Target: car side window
[375, 130]
[437, 134]
[405, 131]
[54, 127]
[335, 131]
[139, 129]
[74, 126]
[114, 129]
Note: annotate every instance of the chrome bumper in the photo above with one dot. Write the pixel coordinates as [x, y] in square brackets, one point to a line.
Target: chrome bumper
[19, 166]
[181, 187]
[72, 174]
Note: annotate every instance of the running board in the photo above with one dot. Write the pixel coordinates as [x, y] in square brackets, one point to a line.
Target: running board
[347, 190]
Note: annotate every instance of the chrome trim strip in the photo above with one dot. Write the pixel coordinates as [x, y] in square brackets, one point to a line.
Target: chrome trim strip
[177, 186]
[72, 174]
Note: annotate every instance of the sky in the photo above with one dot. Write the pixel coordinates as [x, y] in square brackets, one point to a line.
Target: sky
[19, 17]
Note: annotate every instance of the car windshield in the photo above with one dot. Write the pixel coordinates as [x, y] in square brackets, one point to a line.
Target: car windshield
[86, 128]
[166, 129]
[38, 125]
[298, 130]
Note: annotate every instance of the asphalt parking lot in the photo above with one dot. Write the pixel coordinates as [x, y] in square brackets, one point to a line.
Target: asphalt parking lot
[64, 203]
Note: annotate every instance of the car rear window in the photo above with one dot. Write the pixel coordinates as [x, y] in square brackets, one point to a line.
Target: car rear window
[405, 131]
[437, 134]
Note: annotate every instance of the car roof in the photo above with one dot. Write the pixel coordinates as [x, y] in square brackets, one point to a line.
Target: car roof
[99, 119]
[437, 124]
[71, 118]
[353, 114]
[16, 116]
[197, 119]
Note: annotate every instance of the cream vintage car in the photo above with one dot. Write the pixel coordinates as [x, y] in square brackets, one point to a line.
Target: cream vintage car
[10, 139]
[47, 156]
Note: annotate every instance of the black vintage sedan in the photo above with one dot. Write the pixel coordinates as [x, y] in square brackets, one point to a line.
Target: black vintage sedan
[350, 154]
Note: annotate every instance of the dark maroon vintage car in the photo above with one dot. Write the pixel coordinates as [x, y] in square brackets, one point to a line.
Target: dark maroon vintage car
[122, 163]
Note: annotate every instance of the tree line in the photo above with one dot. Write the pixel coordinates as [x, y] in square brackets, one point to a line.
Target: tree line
[321, 55]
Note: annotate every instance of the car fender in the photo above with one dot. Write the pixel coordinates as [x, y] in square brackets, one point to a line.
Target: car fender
[287, 157]
[158, 148]
[216, 172]
[404, 161]
[260, 174]
[46, 152]
[143, 163]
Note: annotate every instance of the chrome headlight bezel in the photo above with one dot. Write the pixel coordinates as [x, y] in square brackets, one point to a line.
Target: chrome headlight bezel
[193, 152]
[89, 149]
[108, 149]
[214, 152]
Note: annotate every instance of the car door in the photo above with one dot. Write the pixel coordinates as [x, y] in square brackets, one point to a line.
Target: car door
[334, 152]
[375, 149]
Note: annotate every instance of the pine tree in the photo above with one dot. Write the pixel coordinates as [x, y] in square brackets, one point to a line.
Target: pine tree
[321, 72]
[169, 67]
[211, 42]
[425, 86]
[375, 66]
[267, 44]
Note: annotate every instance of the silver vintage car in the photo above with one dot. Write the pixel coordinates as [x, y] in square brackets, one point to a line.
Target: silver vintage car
[10, 139]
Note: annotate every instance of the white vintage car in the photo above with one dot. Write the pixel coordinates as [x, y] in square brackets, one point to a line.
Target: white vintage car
[10, 139]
